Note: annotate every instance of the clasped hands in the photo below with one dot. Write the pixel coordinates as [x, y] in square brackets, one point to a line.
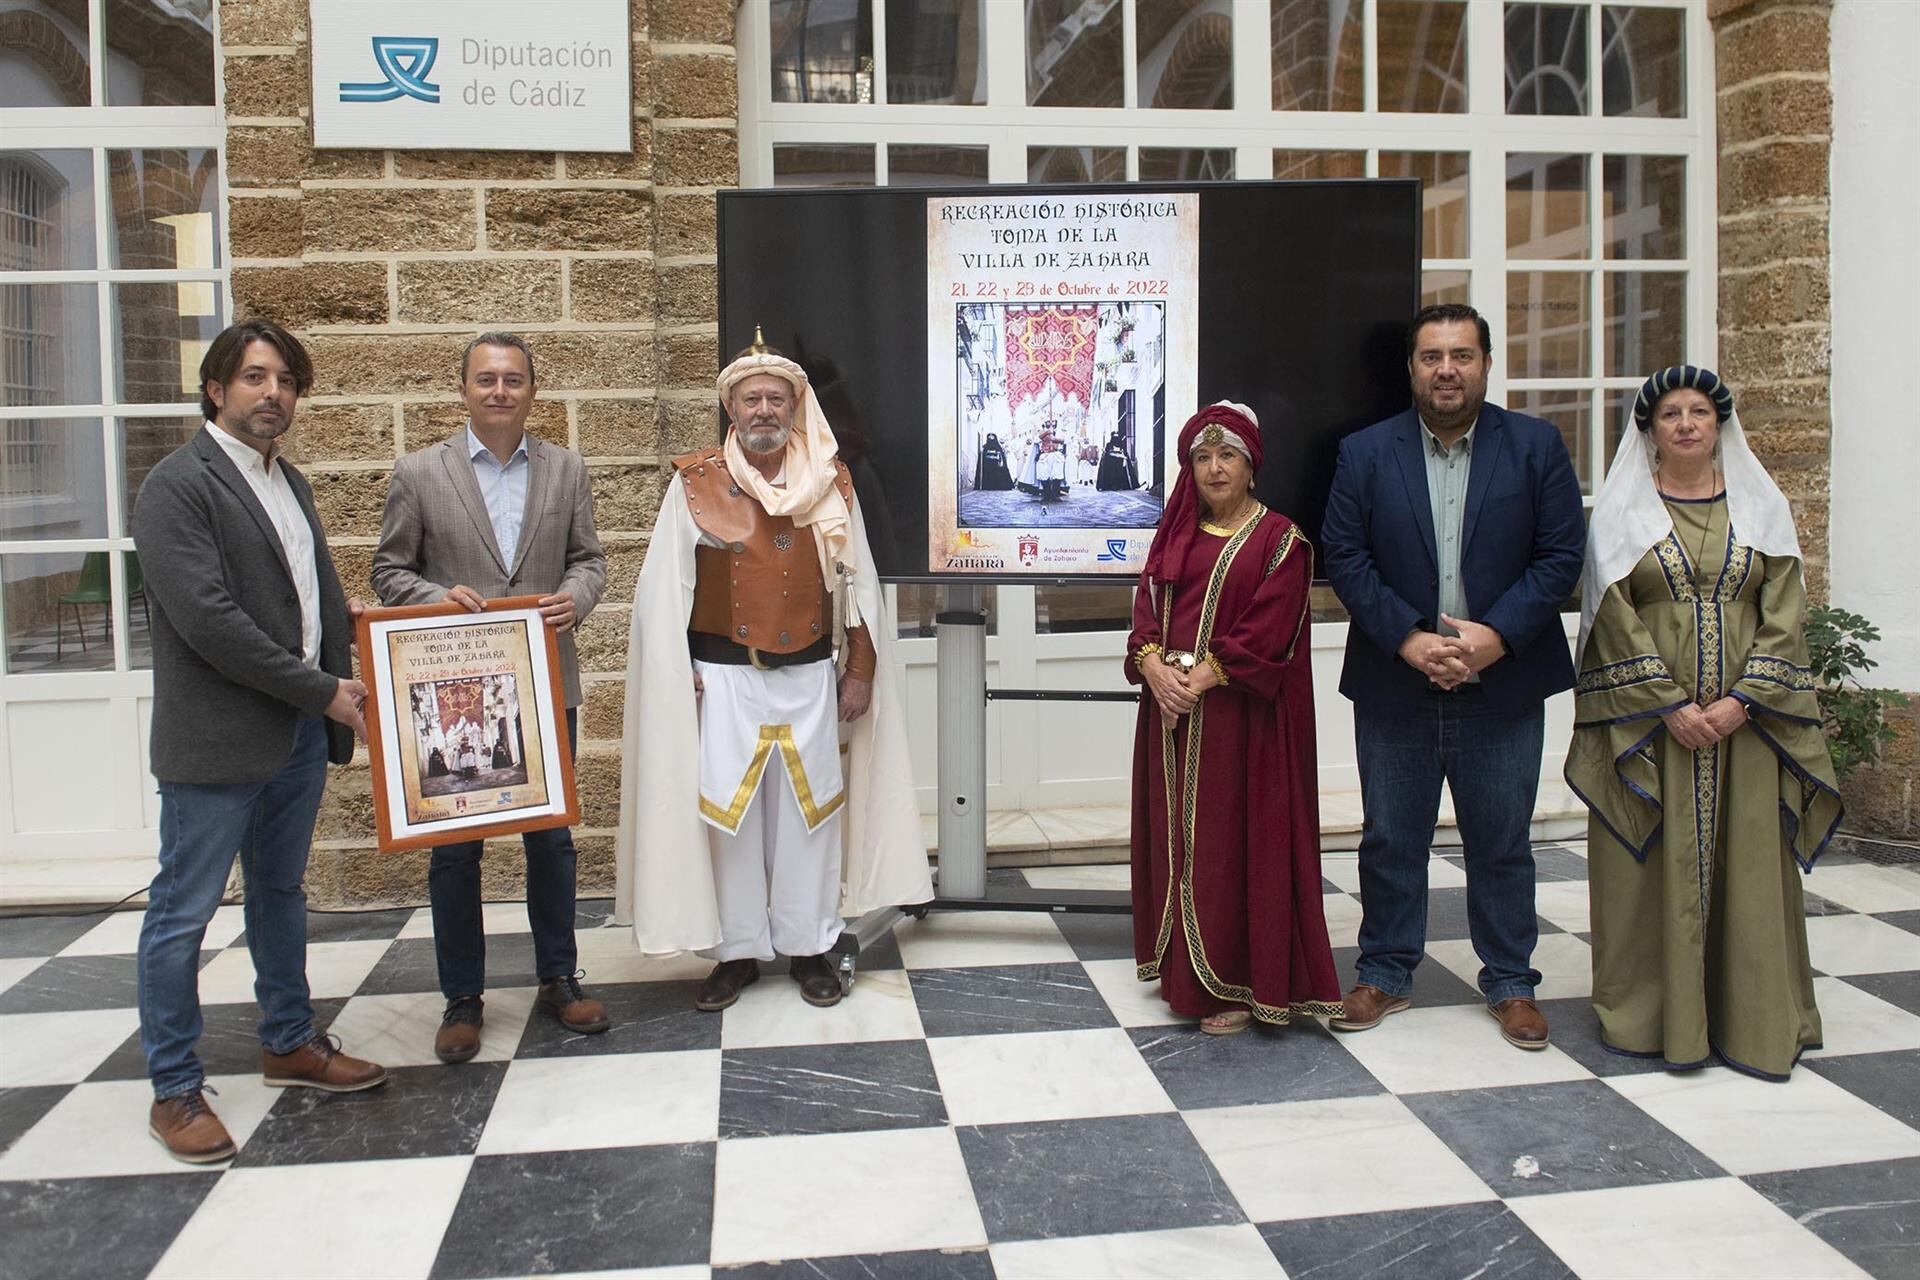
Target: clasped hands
[1447, 660]
[1177, 690]
[1695, 725]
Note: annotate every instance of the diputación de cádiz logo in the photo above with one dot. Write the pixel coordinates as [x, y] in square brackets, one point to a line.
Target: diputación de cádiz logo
[406, 62]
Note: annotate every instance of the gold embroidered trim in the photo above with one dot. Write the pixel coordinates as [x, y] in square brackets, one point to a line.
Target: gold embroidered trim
[772, 736]
[1146, 651]
[1282, 550]
[728, 819]
[1219, 672]
[815, 814]
[1780, 671]
[1218, 531]
[1624, 674]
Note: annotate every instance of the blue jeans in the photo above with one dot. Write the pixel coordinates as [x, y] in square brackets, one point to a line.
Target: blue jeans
[1491, 762]
[459, 932]
[270, 825]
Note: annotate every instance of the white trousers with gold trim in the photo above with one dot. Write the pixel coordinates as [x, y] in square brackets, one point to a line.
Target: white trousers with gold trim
[771, 793]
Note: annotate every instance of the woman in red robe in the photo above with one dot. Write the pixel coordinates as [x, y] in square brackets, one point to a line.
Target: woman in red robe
[1226, 817]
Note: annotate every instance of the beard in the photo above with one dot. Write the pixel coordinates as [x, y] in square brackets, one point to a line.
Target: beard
[262, 423]
[1471, 398]
[764, 437]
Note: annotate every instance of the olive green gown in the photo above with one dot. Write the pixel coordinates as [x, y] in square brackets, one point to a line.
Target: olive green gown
[1699, 935]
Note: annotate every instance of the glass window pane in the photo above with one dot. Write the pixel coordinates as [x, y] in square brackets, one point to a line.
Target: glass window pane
[1572, 412]
[1646, 321]
[1074, 54]
[823, 166]
[934, 52]
[49, 344]
[1646, 206]
[46, 210]
[1317, 55]
[53, 479]
[44, 58]
[1184, 54]
[822, 50]
[1437, 287]
[1546, 205]
[1076, 164]
[1443, 197]
[162, 331]
[1616, 418]
[1546, 60]
[1180, 164]
[1547, 324]
[920, 604]
[143, 442]
[1319, 164]
[1422, 55]
[912, 166]
[1058, 610]
[159, 55]
[59, 612]
[165, 209]
[1643, 61]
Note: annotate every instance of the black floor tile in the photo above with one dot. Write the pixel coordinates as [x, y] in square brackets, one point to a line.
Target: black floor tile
[1260, 1065]
[352, 926]
[1575, 1031]
[1483, 1241]
[409, 966]
[1433, 982]
[1887, 1080]
[1551, 863]
[1059, 1178]
[1869, 1212]
[1819, 906]
[229, 1042]
[420, 1111]
[22, 1107]
[836, 1088]
[1013, 997]
[929, 1264]
[95, 1228]
[880, 954]
[74, 983]
[554, 1211]
[1901, 989]
[23, 937]
[646, 1017]
[1097, 936]
[1908, 920]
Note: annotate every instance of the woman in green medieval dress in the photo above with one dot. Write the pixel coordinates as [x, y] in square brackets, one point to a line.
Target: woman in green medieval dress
[1697, 744]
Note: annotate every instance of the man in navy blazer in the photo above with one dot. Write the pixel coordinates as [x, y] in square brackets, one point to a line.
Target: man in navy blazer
[1453, 533]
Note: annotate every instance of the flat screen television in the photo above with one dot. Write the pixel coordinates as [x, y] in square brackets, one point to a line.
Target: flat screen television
[1007, 367]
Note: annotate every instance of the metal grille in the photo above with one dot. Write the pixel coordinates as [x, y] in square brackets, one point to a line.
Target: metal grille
[32, 457]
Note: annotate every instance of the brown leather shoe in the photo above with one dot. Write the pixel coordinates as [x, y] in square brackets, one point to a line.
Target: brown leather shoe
[723, 986]
[1522, 1025]
[458, 1038]
[1364, 1006]
[319, 1064]
[576, 1010]
[186, 1126]
[819, 984]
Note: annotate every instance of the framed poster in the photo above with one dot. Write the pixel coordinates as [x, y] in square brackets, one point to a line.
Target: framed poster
[466, 723]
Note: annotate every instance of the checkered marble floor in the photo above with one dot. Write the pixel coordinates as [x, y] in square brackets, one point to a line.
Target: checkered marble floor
[999, 1097]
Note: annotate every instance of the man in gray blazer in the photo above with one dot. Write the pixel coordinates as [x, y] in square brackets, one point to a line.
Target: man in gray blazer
[492, 512]
[253, 693]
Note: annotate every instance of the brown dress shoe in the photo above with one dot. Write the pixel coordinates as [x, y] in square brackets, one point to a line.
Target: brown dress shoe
[723, 986]
[1364, 1006]
[576, 1010]
[1522, 1025]
[186, 1126]
[458, 1038]
[819, 984]
[319, 1064]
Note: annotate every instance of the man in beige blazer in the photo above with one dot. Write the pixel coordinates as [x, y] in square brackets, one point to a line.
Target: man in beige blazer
[493, 512]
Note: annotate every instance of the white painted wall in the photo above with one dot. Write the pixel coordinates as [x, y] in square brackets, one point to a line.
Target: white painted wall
[1876, 279]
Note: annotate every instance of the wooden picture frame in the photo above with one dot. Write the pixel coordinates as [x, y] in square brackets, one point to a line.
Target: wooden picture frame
[466, 719]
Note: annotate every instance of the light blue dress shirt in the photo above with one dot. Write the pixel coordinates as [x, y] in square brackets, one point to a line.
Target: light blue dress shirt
[1448, 470]
[503, 487]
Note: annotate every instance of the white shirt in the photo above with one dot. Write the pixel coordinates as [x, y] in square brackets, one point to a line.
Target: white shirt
[269, 482]
[503, 487]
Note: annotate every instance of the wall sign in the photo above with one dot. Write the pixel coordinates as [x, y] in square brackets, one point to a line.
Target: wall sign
[478, 75]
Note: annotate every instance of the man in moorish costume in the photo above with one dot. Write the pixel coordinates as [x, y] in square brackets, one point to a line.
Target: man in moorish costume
[740, 833]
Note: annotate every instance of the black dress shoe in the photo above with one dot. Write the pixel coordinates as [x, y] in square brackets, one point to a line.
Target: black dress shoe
[724, 984]
[819, 984]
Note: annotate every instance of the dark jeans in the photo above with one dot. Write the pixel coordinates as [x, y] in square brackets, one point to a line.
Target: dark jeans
[453, 888]
[1491, 762]
[270, 825]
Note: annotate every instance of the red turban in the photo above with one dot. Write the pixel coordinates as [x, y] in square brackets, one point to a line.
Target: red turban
[1180, 519]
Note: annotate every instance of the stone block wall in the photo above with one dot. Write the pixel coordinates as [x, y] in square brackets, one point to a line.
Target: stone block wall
[387, 262]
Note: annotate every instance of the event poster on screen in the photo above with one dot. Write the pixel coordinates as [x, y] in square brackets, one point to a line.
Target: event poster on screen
[1062, 344]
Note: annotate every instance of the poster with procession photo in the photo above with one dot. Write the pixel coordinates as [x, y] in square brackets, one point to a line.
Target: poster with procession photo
[466, 723]
[1062, 340]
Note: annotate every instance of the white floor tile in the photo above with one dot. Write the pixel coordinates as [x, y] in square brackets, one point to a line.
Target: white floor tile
[1088, 827]
[11, 971]
[771, 1013]
[1343, 913]
[1564, 961]
[1220, 1253]
[1044, 1075]
[335, 970]
[1133, 1003]
[1339, 1156]
[1717, 1227]
[640, 1273]
[1106, 876]
[1854, 1021]
[1863, 886]
[1342, 869]
[119, 934]
[605, 1100]
[1860, 944]
[376, 1218]
[830, 1194]
[1442, 874]
[609, 954]
[100, 1130]
[1426, 1050]
[397, 1031]
[1760, 1126]
[495, 918]
[60, 1048]
[957, 939]
[1565, 902]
